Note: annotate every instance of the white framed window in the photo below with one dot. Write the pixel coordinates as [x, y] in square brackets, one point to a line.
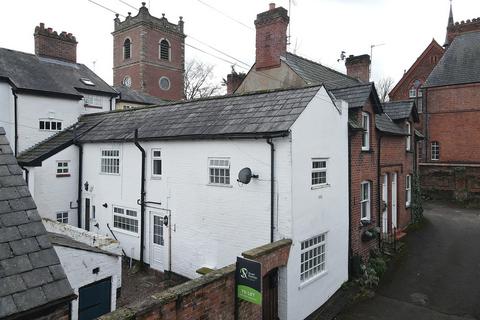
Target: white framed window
[93, 101]
[408, 190]
[313, 257]
[50, 125]
[319, 172]
[164, 51]
[110, 162]
[366, 131]
[125, 219]
[365, 202]
[435, 150]
[62, 217]
[412, 93]
[156, 163]
[219, 171]
[408, 139]
[62, 168]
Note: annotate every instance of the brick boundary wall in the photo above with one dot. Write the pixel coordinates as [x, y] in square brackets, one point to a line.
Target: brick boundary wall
[208, 297]
[458, 182]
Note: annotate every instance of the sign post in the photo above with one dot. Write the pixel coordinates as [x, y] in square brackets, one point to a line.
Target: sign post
[248, 278]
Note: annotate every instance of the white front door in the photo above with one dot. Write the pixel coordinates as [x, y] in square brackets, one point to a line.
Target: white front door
[394, 200]
[157, 241]
[385, 204]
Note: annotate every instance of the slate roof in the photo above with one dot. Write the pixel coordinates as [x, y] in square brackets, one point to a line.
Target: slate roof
[258, 114]
[356, 96]
[64, 241]
[129, 95]
[315, 73]
[460, 64]
[386, 125]
[34, 155]
[398, 110]
[30, 272]
[30, 72]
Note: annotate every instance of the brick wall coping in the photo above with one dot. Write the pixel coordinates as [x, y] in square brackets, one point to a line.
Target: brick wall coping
[172, 294]
[427, 164]
[266, 249]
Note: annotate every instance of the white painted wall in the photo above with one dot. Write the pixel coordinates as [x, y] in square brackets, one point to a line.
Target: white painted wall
[78, 266]
[31, 108]
[210, 224]
[54, 194]
[6, 111]
[320, 132]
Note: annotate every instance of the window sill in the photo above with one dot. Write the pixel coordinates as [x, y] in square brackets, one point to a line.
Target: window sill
[312, 280]
[367, 150]
[365, 222]
[320, 186]
[64, 175]
[156, 177]
[125, 232]
[93, 107]
[109, 174]
[219, 185]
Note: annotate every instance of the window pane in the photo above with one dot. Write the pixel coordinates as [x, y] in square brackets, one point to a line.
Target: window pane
[157, 167]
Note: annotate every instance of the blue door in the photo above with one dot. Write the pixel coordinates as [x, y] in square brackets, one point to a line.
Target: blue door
[94, 299]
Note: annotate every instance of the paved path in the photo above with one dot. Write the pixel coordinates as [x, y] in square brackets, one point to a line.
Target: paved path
[439, 275]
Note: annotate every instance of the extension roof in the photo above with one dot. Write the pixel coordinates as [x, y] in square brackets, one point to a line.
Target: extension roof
[129, 95]
[29, 72]
[31, 276]
[460, 63]
[399, 110]
[316, 73]
[65, 241]
[33, 156]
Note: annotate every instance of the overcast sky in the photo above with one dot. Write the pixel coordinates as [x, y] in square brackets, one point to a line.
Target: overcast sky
[320, 29]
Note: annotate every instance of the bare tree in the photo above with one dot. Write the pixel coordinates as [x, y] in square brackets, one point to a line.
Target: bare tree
[383, 88]
[198, 80]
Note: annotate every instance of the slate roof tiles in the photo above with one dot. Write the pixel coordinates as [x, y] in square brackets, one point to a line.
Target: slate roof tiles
[30, 271]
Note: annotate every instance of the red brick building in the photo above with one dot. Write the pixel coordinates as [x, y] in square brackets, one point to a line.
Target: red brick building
[149, 55]
[451, 165]
[369, 126]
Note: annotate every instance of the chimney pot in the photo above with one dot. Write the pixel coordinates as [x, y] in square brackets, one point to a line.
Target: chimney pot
[272, 6]
[359, 67]
[50, 44]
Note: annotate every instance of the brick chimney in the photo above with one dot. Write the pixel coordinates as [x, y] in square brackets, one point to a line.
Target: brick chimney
[234, 80]
[50, 44]
[359, 67]
[271, 39]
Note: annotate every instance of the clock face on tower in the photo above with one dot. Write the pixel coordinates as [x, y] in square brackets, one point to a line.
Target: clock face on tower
[127, 81]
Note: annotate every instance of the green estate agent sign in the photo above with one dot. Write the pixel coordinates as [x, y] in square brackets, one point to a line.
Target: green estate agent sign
[249, 280]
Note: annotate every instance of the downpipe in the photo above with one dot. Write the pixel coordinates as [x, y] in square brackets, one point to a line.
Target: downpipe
[142, 197]
[272, 188]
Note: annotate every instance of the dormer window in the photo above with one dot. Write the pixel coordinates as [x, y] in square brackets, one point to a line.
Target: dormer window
[127, 49]
[165, 50]
[87, 82]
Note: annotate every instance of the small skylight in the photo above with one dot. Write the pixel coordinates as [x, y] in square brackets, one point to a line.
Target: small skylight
[87, 81]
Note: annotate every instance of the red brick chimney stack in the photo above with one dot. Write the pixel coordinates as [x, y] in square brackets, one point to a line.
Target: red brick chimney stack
[234, 80]
[359, 67]
[271, 38]
[50, 44]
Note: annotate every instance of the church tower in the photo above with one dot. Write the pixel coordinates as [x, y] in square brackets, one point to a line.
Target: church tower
[456, 28]
[149, 55]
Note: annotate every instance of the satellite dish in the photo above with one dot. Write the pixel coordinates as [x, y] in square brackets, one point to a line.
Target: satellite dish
[245, 175]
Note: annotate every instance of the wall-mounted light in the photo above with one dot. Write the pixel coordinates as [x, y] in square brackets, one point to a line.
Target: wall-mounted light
[85, 186]
[105, 205]
[165, 221]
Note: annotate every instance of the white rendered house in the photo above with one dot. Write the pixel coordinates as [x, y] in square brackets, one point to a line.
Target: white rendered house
[163, 180]
[43, 93]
